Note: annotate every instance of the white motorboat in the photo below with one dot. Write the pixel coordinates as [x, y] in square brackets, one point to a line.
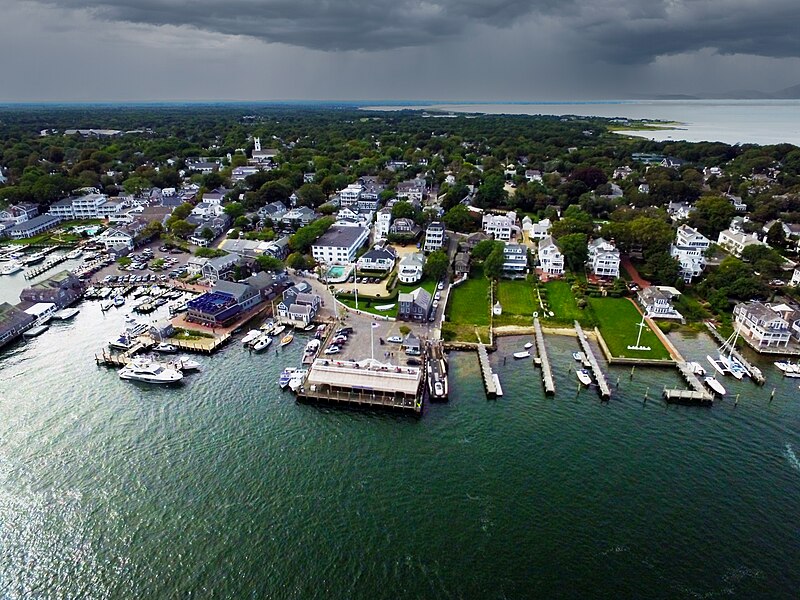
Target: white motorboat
[312, 346]
[277, 330]
[149, 371]
[185, 363]
[524, 354]
[262, 343]
[584, 377]
[11, 269]
[298, 376]
[715, 386]
[165, 348]
[74, 254]
[251, 336]
[578, 356]
[66, 313]
[528, 346]
[696, 368]
[286, 377]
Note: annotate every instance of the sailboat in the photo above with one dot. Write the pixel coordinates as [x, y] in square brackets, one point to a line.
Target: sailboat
[729, 361]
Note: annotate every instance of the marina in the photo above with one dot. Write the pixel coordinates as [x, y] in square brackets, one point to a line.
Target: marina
[754, 372]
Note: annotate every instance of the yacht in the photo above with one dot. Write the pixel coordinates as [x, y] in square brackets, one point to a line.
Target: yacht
[166, 348]
[297, 379]
[74, 254]
[287, 339]
[185, 363]
[584, 377]
[251, 336]
[278, 329]
[150, 371]
[34, 258]
[11, 269]
[262, 343]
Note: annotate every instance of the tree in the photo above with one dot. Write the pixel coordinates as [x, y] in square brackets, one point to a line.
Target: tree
[436, 266]
[302, 239]
[310, 194]
[234, 210]
[124, 261]
[269, 263]
[776, 236]
[591, 177]
[242, 222]
[493, 265]
[403, 210]
[207, 234]
[296, 261]
[491, 192]
[459, 218]
[573, 247]
[212, 181]
[152, 229]
[483, 249]
[711, 215]
[663, 268]
[182, 228]
[135, 185]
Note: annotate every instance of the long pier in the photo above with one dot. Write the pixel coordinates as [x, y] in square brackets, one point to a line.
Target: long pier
[541, 350]
[755, 373]
[486, 372]
[697, 395]
[38, 270]
[600, 377]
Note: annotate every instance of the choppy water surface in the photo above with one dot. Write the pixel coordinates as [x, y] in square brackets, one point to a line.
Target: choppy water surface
[226, 488]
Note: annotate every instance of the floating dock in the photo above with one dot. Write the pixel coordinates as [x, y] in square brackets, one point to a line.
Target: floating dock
[486, 372]
[599, 376]
[698, 395]
[544, 360]
[755, 373]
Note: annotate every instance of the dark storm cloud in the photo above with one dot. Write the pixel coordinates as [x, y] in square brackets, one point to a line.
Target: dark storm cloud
[618, 31]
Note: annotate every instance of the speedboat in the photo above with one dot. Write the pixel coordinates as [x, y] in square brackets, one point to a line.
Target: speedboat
[118, 300]
[261, 343]
[286, 340]
[312, 346]
[278, 329]
[309, 327]
[286, 377]
[528, 346]
[524, 354]
[106, 304]
[584, 377]
[35, 258]
[150, 371]
[185, 363]
[74, 254]
[11, 269]
[696, 368]
[251, 336]
[577, 355]
[715, 386]
[166, 348]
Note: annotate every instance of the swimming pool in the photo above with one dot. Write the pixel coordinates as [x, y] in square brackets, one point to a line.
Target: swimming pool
[338, 273]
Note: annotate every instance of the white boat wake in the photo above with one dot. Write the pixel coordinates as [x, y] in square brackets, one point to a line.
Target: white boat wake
[792, 457]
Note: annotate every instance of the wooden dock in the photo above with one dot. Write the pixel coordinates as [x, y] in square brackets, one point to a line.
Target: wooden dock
[697, 395]
[38, 270]
[486, 372]
[755, 373]
[600, 377]
[544, 360]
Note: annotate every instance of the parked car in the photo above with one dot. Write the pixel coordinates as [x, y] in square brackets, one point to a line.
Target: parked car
[333, 350]
[440, 286]
[395, 339]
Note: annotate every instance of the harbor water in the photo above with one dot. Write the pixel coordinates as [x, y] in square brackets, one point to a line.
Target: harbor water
[225, 487]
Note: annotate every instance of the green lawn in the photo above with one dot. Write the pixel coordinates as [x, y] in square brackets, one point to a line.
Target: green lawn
[561, 301]
[469, 302]
[367, 304]
[516, 297]
[618, 321]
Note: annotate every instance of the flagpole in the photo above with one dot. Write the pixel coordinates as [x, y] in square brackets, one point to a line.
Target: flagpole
[372, 340]
[355, 286]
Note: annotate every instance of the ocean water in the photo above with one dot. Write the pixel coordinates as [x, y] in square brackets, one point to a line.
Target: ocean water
[227, 488]
[728, 121]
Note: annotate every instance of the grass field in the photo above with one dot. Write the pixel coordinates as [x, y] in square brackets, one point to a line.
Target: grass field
[516, 297]
[561, 301]
[618, 321]
[367, 304]
[469, 302]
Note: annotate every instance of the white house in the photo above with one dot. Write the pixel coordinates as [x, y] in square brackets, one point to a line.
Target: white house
[540, 230]
[795, 277]
[434, 237]
[501, 227]
[412, 190]
[533, 175]
[736, 241]
[339, 245]
[111, 238]
[383, 221]
[761, 325]
[689, 250]
[410, 268]
[657, 303]
[377, 259]
[515, 260]
[350, 195]
[603, 258]
[551, 261]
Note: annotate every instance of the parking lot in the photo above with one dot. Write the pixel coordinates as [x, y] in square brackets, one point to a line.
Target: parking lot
[366, 341]
[149, 263]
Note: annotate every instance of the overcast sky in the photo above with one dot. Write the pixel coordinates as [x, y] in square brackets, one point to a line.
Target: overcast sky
[140, 50]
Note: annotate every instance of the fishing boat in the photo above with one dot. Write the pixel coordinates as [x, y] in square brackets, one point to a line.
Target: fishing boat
[286, 377]
[528, 346]
[262, 343]
[524, 354]
[286, 340]
[10, 269]
[715, 386]
[584, 377]
[150, 371]
[251, 336]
